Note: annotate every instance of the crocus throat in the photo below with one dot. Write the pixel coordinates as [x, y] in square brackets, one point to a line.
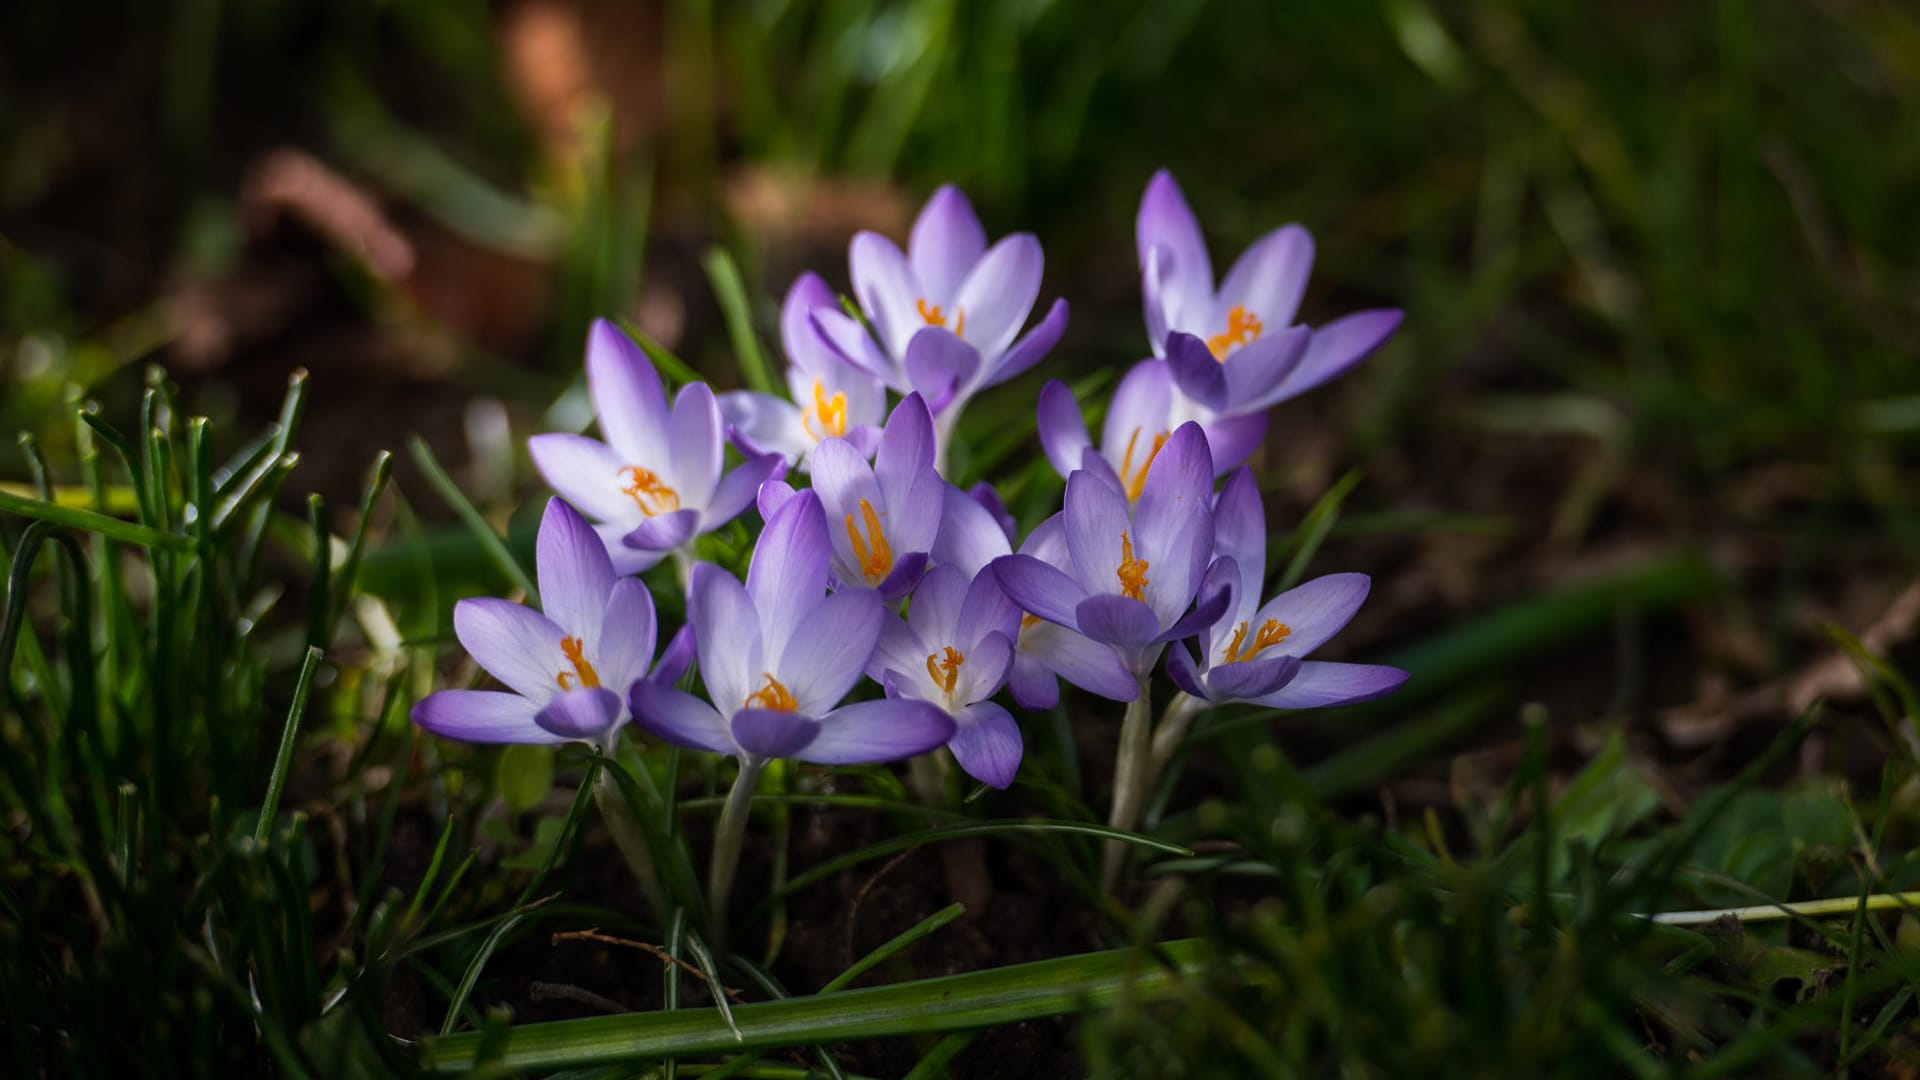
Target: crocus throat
[1136, 482]
[1243, 327]
[582, 674]
[871, 552]
[944, 668]
[773, 696]
[830, 411]
[1132, 571]
[647, 492]
[933, 316]
[1272, 632]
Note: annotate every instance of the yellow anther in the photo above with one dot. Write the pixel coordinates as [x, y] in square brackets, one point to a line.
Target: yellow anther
[1136, 482]
[944, 668]
[933, 316]
[648, 493]
[831, 412]
[1272, 632]
[582, 674]
[872, 552]
[1132, 571]
[1029, 619]
[1243, 327]
[772, 696]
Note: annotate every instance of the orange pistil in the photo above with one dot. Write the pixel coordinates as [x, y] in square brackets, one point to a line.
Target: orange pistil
[830, 411]
[872, 552]
[933, 316]
[582, 674]
[1272, 632]
[1029, 619]
[772, 696]
[944, 668]
[1243, 327]
[1136, 482]
[648, 493]
[1132, 571]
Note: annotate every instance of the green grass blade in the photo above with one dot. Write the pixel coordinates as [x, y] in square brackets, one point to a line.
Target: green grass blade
[489, 541]
[907, 937]
[73, 517]
[289, 734]
[737, 309]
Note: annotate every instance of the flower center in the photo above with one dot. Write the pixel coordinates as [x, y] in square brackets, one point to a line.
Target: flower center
[872, 552]
[582, 674]
[1243, 327]
[1132, 571]
[944, 668]
[1136, 482]
[933, 316]
[1271, 632]
[647, 492]
[830, 411]
[772, 696]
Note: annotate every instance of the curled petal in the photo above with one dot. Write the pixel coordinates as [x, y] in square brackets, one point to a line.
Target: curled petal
[1166, 221]
[675, 659]
[737, 489]
[1117, 620]
[773, 494]
[1321, 684]
[1217, 591]
[773, 733]
[1255, 369]
[868, 732]
[585, 713]
[1032, 347]
[1185, 673]
[907, 572]
[797, 336]
[1039, 588]
[663, 532]
[1080, 660]
[1250, 679]
[987, 743]
[939, 364]
[679, 717]
[1195, 371]
[482, 716]
[1033, 685]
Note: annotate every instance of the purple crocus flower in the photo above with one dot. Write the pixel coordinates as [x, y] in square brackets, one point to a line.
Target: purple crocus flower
[656, 483]
[1256, 652]
[974, 531]
[778, 653]
[948, 312]
[954, 650]
[883, 518]
[1248, 323]
[567, 670]
[1136, 567]
[1145, 411]
[830, 397]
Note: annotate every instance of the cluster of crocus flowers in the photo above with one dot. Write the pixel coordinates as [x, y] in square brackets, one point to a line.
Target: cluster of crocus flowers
[883, 610]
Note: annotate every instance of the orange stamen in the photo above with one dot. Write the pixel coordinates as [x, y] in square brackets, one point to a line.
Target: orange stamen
[772, 696]
[1029, 619]
[582, 674]
[1243, 327]
[1272, 632]
[872, 552]
[832, 412]
[1134, 482]
[648, 493]
[933, 316]
[1132, 571]
[944, 668]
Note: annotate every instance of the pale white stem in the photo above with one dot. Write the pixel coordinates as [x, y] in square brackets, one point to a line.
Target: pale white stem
[1839, 905]
[728, 836]
[631, 839]
[1132, 768]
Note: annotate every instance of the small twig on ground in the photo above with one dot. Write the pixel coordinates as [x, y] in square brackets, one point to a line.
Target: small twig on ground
[853, 909]
[546, 991]
[655, 951]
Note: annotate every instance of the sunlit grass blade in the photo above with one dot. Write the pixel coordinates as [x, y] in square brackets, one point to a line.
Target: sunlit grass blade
[73, 517]
[900, 941]
[490, 542]
[289, 735]
[737, 309]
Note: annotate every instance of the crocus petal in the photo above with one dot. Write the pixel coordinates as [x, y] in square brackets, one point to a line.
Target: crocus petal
[1117, 620]
[1269, 278]
[1032, 347]
[675, 659]
[986, 609]
[946, 242]
[907, 572]
[987, 743]
[518, 646]
[886, 289]
[969, 537]
[626, 561]
[1240, 527]
[1253, 370]
[1335, 349]
[1185, 673]
[482, 716]
[1137, 413]
[900, 654]
[999, 293]
[1157, 295]
[788, 573]
[627, 397]
[697, 446]
[843, 479]
[797, 335]
[829, 652]
[1035, 688]
[865, 438]
[762, 424]
[1195, 371]
[1233, 439]
[875, 731]
[737, 489]
[585, 713]
[1321, 683]
[1217, 592]
[679, 717]
[585, 472]
[663, 532]
[1316, 610]
[906, 449]
[1080, 660]
[938, 363]
[626, 627]
[1251, 679]
[985, 670]
[726, 630]
[1096, 518]
[849, 340]
[1063, 430]
[773, 733]
[1039, 588]
[1166, 220]
[773, 494]
[934, 611]
[575, 574]
[989, 500]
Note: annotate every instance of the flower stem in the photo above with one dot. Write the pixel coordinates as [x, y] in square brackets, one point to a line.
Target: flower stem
[631, 839]
[728, 836]
[683, 565]
[1174, 722]
[1132, 769]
